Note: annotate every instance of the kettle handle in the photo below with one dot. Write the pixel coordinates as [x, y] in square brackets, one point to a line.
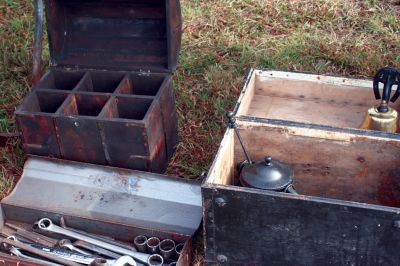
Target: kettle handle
[389, 76]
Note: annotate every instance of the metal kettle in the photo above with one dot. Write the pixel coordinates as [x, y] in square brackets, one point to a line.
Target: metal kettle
[383, 117]
[267, 174]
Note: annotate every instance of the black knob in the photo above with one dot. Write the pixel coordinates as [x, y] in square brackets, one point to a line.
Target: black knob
[268, 160]
[389, 76]
[231, 119]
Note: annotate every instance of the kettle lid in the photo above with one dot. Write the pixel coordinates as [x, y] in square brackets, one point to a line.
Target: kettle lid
[268, 174]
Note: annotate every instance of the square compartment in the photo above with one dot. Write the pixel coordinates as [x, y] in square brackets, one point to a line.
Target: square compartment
[77, 128]
[35, 119]
[103, 82]
[141, 84]
[42, 102]
[128, 108]
[60, 80]
[133, 134]
[85, 104]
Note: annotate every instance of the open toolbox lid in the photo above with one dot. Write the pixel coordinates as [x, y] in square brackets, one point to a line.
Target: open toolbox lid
[140, 35]
[116, 196]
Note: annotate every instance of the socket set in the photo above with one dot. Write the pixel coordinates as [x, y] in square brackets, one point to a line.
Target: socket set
[168, 249]
[49, 244]
[117, 118]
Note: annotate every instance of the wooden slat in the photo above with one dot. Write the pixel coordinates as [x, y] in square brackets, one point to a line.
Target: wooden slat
[223, 168]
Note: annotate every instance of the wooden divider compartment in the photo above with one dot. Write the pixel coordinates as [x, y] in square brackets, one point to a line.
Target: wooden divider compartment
[137, 84]
[101, 81]
[348, 182]
[35, 118]
[60, 80]
[77, 128]
[134, 105]
[132, 129]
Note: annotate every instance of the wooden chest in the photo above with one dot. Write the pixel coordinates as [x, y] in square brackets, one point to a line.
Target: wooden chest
[348, 208]
[108, 97]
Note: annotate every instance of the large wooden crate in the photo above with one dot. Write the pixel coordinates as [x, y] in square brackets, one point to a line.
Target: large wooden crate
[108, 97]
[348, 208]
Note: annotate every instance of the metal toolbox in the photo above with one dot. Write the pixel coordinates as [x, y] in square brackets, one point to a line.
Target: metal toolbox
[108, 97]
[111, 202]
[348, 208]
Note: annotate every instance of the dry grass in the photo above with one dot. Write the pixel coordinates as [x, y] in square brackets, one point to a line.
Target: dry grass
[222, 40]
[16, 25]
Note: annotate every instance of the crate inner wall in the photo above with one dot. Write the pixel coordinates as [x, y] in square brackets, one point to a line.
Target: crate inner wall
[306, 98]
[328, 165]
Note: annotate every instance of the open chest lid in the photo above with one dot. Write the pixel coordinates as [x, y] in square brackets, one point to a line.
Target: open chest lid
[139, 35]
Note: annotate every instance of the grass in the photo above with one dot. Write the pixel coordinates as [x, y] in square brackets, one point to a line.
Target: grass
[222, 40]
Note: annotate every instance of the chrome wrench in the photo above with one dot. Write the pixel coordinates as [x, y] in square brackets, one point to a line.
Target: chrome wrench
[125, 260]
[66, 243]
[47, 225]
[100, 238]
[63, 254]
[10, 242]
[16, 252]
[95, 249]
[32, 236]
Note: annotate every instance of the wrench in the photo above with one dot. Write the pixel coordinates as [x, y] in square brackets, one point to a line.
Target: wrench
[47, 225]
[36, 251]
[16, 252]
[67, 255]
[95, 249]
[100, 238]
[124, 260]
[32, 236]
[66, 243]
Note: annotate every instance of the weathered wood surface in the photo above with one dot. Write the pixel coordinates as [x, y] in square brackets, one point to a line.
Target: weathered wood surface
[260, 228]
[334, 165]
[120, 35]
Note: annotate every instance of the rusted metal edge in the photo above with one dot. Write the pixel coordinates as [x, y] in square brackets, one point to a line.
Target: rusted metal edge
[38, 41]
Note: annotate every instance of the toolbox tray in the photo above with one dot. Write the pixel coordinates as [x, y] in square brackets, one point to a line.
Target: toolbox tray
[112, 202]
[348, 179]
